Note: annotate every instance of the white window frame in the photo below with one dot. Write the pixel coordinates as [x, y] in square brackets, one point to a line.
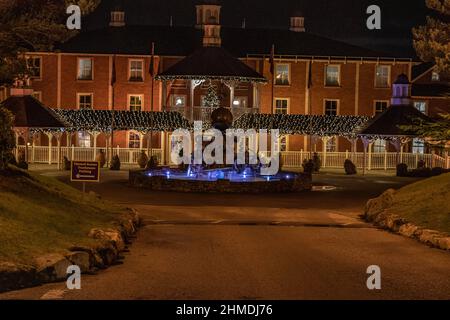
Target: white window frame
[286, 137]
[85, 94]
[326, 76]
[33, 57]
[289, 74]
[379, 146]
[130, 70]
[82, 140]
[415, 147]
[335, 145]
[129, 133]
[389, 68]
[337, 105]
[288, 108]
[79, 59]
[141, 96]
[375, 105]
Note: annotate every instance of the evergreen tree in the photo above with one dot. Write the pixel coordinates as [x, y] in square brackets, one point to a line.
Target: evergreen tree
[432, 41]
[212, 99]
[7, 141]
[32, 25]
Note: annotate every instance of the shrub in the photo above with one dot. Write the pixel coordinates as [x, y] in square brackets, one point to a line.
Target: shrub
[115, 163]
[420, 164]
[317, 162]
[152, 163]
[142, 160]
[67, 164]
[349, 167]
[308, 166]
[437, 171]
[402, 170]
[7, 139]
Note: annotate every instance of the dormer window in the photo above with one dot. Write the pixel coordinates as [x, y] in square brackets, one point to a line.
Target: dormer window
[435, 76]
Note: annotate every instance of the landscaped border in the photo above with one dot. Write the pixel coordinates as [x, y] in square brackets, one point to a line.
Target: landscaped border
[53, 267]
[378, 212]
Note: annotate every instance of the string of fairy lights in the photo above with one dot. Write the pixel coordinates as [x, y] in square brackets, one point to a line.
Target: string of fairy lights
[318, 125]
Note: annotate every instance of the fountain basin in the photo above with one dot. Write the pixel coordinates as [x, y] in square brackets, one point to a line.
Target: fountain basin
[219, 181]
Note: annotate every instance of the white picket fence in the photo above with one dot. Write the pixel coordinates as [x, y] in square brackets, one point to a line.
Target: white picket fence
[290, 160]
[374, 161]
[43, 154]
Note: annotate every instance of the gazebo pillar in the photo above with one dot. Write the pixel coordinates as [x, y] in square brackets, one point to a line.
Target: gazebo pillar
[58, 136]
[324, 150]
[50, 146]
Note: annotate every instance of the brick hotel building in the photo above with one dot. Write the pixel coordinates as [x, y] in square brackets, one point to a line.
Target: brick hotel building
[313, 75]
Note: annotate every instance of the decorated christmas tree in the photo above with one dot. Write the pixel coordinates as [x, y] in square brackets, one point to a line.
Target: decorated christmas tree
[211, 99]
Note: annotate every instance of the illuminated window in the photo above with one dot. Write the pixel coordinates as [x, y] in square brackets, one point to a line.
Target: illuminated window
[85, 101]
[137, 70]
[283, 144]
[84, 140]
[240, 102]
[281, 106]
[282, 74]
[331, 107]
[379, 145]
[435, 76]
[332, 144]
[85, 69]
[421, 106]
[418, 146]
[135, 103]
[178, 100]
[34, 67]
[332, 78]
[382, 76]
[380, 106]
[134, 140]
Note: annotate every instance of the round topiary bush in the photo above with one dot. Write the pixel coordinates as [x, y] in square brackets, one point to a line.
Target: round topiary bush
[350, 167]
[402, 170]
[115, 163]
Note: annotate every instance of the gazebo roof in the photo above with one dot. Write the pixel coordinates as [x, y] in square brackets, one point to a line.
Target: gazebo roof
[387, 124]
[211, 63]
[30, 113]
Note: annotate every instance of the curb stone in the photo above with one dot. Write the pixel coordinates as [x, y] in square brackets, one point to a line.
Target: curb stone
[52, 267]
[377, 212]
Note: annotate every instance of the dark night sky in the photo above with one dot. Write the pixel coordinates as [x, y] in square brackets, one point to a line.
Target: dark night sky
[339, 19]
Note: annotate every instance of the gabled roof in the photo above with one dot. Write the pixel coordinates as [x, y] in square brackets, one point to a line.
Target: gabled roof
[420, 69]
[182, 41]
[30, 113]
[213, 63]
[387, 124]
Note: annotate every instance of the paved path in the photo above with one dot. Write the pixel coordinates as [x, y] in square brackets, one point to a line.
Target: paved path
[291, 246]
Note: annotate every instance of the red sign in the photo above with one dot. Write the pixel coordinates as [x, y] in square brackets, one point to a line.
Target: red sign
[85, 171]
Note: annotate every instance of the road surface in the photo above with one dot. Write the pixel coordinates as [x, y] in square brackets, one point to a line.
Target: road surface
[290, 246]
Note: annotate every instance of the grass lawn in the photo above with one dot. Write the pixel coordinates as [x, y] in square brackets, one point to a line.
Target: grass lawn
[41, 215]
[425, 203]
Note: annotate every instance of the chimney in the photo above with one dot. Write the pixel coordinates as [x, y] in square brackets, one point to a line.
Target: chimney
[117, 14]
[401, 91]
[297, 22]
